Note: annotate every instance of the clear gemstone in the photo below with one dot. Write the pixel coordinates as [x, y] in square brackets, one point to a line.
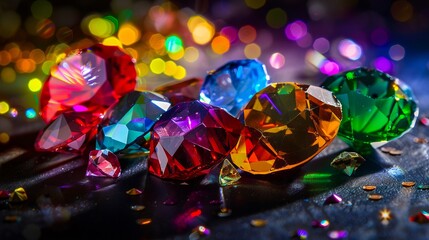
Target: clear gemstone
[233, 85]
[103, 163]
[348, 162]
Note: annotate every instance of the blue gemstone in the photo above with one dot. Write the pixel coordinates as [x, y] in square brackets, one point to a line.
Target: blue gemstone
[126, 125]
[233, 85]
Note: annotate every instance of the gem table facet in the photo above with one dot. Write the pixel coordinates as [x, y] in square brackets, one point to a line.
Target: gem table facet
[233, 85]
[191, 138]
[376, 106]
[69, 132]
[103, 163]
[288, 124]
[88, 80]
[129, 121]
[348, 162]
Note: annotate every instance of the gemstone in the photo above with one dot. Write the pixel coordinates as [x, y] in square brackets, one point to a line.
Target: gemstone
[143, 221]
[69, 132]
[128, 123]
[300, 234]
[91, 80]
[137, 208]
[338, 234]
[134, 192]
[233, 85]
[103, 163]
[18, 195]
[375, 197]
[4, 194]
[332, 199]
[223, 174]
[423, 187]
[191, 138]
[421, 217]
[200, 232]
[320, 224]
[258, 222]
[376, 106]
[291, 124]
[369, 187]
[408, 184]
[184, 91]
[348, 162]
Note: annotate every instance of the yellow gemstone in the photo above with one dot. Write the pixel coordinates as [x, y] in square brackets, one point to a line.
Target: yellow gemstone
[369, 187]
[18, 195]
[287, 125]
[143, 221]
[375, 197]
[258, 223]
[228, 174]
[408, 184]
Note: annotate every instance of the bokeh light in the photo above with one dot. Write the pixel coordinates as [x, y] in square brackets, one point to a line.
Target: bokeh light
[220, 45]
[35, 85]
[349, 49]
[322, 45]
[101, 27]
[201, 29]
[252, 50]
[45, 28]
[177, 55]
[379, 36]
[402, 10]
[128, 34]
[277, 60]
[170, 68]
[173, 44]
[4, 107]
[230, 33]
[4, 138]
[8, 75]
[397, 52]
[329, 68]
[30, 113]
[157, 66]
[276, 18]
[255, 4]
[142, 69]
[247, 34]
[296, 30]
[41, 9]
[383, 64]
[13, 112]
[5, 58]
[191, 54]
[112, 41]
[180, 73]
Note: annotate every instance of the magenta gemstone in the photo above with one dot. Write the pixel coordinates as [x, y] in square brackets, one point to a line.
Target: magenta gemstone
[190, 138]
[89, 80]
[103, 163]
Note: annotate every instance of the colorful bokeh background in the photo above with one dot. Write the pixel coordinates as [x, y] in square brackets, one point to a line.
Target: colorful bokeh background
[301, 41]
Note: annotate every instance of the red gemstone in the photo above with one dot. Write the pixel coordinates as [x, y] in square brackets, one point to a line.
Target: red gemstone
[183, 91]
[191, 138]
[103, 163]
[69, 132]
[4, 194]
[88, 80]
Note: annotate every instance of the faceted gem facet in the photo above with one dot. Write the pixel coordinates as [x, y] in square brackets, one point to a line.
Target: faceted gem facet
[233, 85]
[289, 124]
[69, 132]
[103, 163]
[223, 174]
[348, 162]
[183, 91]
[190, 138]
[88, 80]
[332, 199]
[130, 120]
[18, 195]
[421, 217]
[376, 106]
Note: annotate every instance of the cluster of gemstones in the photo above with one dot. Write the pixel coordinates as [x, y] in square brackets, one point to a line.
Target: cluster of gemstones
[188, 128]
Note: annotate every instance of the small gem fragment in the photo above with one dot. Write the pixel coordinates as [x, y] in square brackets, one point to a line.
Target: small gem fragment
[420, 140]
[18, 195]
[103, 163]
[128, 123]
[300, 234]
[376, 106]
[184, 91]
[287, 124]
[258, 222]
[320, 224]
[233, 85]
[137, 208]
[375, 197]
[423, 186]
[228, 174]
[348, 162]
[4, 194]
[338, 234]
[143, 221]
[191, 138]
[421, 217]
[332, 199]
[408, 184]
[369, 187]
[134, 192]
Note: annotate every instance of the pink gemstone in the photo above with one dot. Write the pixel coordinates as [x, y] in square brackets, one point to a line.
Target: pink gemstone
[69, 132]
[103, 163]
[191, 138]
[88, 80]
[183, 91]
[332, 199]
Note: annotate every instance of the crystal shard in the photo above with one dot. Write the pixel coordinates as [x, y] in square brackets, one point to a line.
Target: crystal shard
[191, 138]
[348, 162]
[129, 121]
[233, 85]
[421, 217]
[88, 80]
[103, 163]
[228, 174]
[18, 195]
[69, 132]
[332, 199]
[183, 91]
[288, 124]
[376, 106]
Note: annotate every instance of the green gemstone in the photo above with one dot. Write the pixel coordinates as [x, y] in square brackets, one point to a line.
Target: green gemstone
[376, 106]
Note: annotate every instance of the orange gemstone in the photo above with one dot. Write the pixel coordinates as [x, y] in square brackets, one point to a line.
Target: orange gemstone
[288, 124]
